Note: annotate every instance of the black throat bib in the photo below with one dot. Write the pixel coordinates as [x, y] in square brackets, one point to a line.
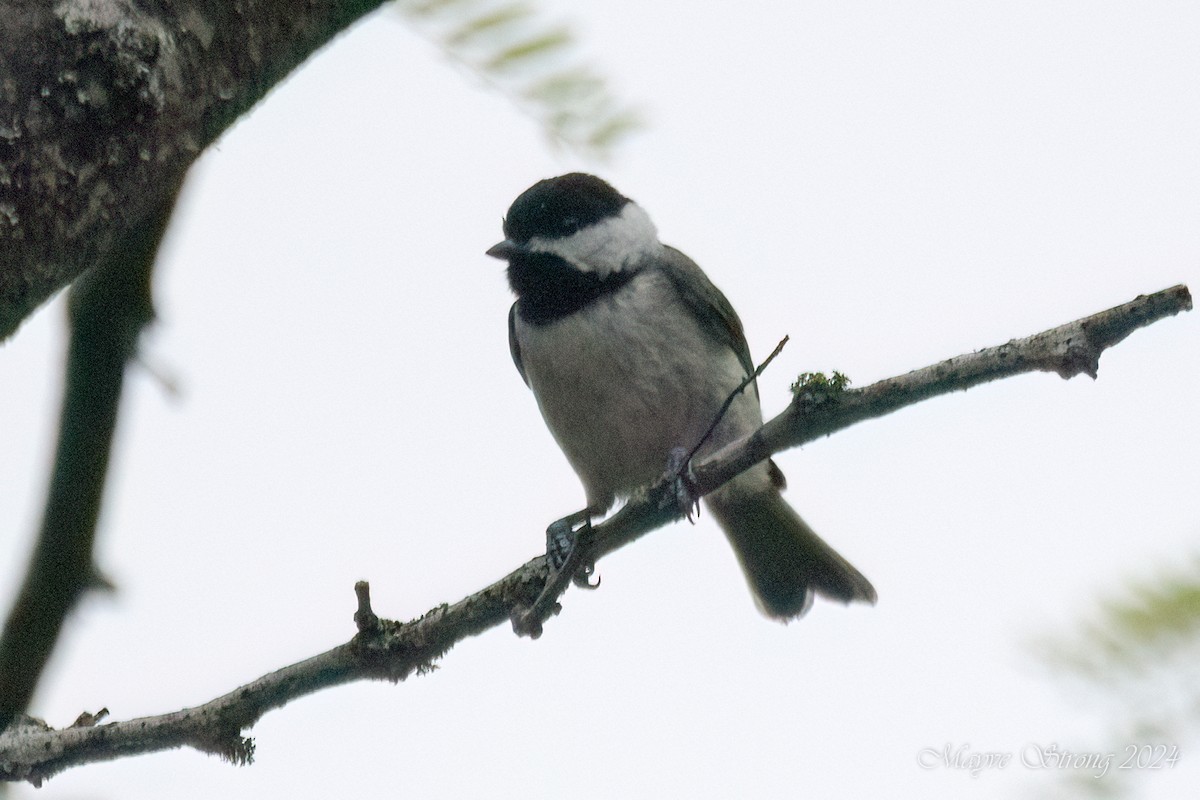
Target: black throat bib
[549, 288]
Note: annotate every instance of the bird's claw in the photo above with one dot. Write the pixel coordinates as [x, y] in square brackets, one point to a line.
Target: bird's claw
[567, 556]
[683, 490]
[583, 576]
[566, 548]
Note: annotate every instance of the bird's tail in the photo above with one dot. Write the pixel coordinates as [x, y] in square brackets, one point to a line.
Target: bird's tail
[784, 560]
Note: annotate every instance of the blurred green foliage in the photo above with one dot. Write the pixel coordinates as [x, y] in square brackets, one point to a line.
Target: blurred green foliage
[1135, 660]
[514, 50]
[1135, 633]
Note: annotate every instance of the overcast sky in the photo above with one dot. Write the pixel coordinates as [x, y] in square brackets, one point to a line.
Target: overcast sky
[889, 183]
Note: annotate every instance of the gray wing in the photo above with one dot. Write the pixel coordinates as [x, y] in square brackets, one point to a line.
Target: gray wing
[707, 303]
[513, 347]
[717, 318]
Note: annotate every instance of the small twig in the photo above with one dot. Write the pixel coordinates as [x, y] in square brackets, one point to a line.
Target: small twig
[364, 617]
[87, 719]
[741, 387]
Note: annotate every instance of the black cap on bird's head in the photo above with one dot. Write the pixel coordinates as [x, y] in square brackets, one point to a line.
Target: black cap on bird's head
[556, 208]
[573, 223]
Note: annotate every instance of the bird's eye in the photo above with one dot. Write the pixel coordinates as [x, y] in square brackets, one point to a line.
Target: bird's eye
[570, 224]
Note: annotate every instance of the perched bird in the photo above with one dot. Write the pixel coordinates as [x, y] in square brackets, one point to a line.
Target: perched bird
[631, 351]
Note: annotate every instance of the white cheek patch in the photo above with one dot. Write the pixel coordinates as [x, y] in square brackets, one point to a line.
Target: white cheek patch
[607, 246]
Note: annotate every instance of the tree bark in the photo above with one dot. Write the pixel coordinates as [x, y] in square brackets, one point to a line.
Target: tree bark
[104, 104]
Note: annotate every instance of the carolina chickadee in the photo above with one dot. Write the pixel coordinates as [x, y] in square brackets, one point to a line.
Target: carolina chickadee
[630, 351]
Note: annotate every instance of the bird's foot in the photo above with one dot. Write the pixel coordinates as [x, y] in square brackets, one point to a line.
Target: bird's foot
[560, 541]
[683, 490]
[567, 546]
[568, 554]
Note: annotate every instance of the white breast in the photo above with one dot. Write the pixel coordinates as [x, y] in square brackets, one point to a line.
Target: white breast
[631, 376]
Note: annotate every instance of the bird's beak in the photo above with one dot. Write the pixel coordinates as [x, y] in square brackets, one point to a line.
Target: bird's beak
[505, 250]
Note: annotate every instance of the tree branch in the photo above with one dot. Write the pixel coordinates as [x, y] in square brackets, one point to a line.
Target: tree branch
[1067, 350]
[107, 104]
[393, 650]
[109, 307]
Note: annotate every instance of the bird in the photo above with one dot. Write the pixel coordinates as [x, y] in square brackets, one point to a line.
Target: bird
[631, 351]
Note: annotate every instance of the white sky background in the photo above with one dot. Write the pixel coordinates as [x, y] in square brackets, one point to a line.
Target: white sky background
[888, 183]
